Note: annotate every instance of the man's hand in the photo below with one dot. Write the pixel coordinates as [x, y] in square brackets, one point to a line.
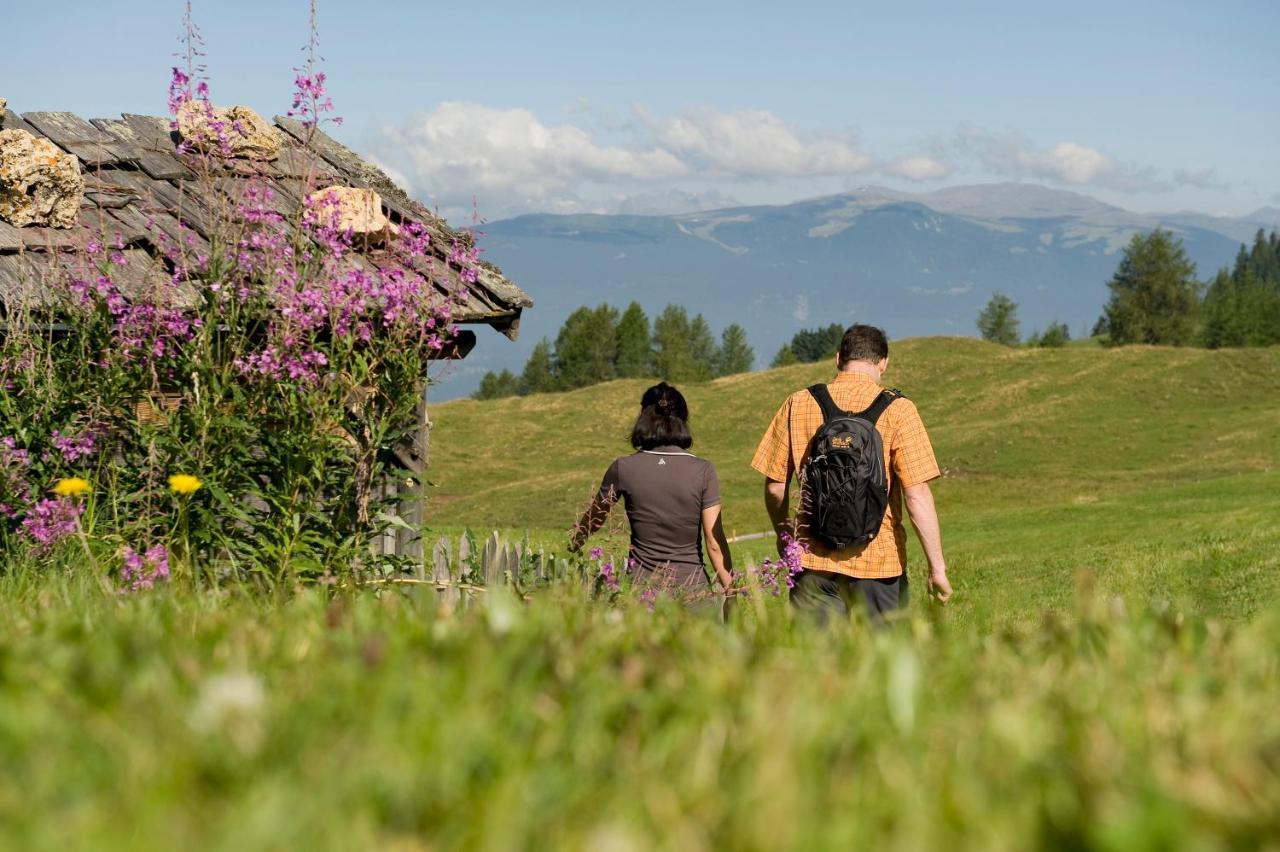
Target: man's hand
[939, 586]
[925, 518]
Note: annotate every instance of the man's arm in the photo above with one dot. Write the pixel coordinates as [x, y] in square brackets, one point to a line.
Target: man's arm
[924, 517]
[775, 503]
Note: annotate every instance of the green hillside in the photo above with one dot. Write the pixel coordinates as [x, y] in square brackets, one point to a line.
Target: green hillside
[1155, 467]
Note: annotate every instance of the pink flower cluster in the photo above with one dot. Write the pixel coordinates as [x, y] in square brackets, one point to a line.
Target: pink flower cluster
[14, 491]
[310, 98]
[142, 570]
[142, 331]
[775, 573]
[50, 521]
[72, 448]
[607, 570]
[327, 292]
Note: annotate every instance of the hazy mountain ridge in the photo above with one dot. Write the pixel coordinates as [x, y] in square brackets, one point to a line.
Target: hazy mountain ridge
[916, 263]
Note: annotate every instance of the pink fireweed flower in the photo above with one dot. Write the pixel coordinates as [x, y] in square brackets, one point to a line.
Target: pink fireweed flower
[75, 447]
[596, 552]
[773, 573]
[142, 570]
[610, 579]
[179, 93]
[50, 521]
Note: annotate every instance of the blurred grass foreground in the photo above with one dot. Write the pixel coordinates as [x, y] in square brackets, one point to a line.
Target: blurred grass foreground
[358, 721]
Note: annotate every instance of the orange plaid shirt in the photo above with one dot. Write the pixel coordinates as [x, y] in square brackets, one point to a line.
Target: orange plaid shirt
[908, 460]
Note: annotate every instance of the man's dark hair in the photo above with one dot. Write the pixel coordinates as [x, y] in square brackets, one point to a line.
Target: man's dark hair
[863, 343]
[663, 420]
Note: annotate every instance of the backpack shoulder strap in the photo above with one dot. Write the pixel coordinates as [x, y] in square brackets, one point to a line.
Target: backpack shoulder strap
[877, 407]
[830, 411]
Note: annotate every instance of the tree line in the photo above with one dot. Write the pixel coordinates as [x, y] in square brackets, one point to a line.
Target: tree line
[600, 344]
[1155, 298]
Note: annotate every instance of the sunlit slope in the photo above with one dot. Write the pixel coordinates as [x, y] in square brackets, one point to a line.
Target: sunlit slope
[1053, 459]
[1011, 427]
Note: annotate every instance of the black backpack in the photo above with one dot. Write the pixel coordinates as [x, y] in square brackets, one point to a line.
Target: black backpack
[844, 491]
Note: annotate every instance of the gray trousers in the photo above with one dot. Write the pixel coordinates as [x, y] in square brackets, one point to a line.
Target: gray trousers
[822, 596]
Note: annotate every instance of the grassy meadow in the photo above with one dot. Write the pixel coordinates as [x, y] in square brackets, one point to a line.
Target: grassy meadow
[1157, 469]
[1105, 678]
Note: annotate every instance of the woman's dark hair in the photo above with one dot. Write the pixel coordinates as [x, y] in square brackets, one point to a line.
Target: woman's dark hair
[663, 420]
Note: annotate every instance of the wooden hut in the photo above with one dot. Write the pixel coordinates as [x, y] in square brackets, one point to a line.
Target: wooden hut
[137, 184]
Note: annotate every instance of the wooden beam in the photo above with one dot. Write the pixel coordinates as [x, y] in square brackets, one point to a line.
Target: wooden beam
[464, 340]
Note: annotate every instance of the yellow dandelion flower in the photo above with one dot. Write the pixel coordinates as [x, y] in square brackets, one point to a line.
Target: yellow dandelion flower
[184, 483]
[72, 486]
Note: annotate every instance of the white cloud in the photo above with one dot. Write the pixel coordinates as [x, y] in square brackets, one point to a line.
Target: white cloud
[461, 149]
[801, 311]
[917, 168]
[1014, 155]
[515, 162]
[1071, 163]
[752, 144]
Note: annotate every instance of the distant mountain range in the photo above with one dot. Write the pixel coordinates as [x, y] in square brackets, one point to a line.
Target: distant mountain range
[916, 264]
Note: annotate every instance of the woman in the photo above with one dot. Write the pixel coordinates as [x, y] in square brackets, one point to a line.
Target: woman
[671, 496]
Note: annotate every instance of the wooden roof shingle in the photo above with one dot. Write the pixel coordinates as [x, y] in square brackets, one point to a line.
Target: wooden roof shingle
[138, 186]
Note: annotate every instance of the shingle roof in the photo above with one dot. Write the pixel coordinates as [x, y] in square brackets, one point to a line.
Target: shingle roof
[136, 184]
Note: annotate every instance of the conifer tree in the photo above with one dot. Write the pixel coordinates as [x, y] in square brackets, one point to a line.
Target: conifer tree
[539, 371]
[672, 358]
[702, 351]
[586, 347]
[735, 355]
[635, 344]
[1154, 293]
[785, 358]
[1243, 308]
[1055, 336]
[497, 385]
[817, 344]
[998, 321]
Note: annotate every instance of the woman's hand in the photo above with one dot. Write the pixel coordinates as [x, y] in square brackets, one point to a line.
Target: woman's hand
[717, 547]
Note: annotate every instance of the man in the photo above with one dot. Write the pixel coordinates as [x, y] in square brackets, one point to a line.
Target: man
[836, 582]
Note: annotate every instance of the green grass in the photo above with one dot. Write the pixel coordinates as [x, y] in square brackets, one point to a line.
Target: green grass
[1140, 463]
[207, 721]
[1106, 677]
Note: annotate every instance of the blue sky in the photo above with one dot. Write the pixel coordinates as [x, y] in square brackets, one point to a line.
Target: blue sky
[669, 106]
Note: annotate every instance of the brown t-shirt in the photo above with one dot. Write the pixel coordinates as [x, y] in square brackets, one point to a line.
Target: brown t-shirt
[665, 491]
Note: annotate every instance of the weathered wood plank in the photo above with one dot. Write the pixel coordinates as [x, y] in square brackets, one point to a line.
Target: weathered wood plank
[152, 131]
[73, 134]
[13, 121]
[440, 562]
[152, 152]
[39, 238]
[10, 237]
[491, 561]
[409, 541]
[27, 281]
[142, 278]
[298, 163]
[131, 225]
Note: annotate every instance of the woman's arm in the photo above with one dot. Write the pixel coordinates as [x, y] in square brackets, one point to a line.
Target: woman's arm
[592, 519]
[717, 546]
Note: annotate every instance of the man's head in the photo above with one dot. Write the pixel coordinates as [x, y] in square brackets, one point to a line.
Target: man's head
[863, 345]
